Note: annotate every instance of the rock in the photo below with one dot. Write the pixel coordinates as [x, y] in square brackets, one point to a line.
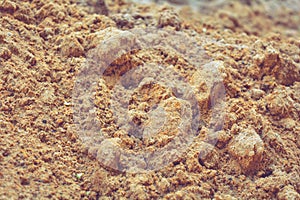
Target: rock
[257, 93]
[247, 147]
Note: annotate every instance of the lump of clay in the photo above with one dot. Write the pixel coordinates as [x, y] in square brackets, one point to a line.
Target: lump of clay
[247, 147]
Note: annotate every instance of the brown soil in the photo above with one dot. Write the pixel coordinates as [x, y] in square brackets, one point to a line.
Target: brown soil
[45, 44]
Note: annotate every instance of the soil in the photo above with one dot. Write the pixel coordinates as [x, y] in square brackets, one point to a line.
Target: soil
[253, 152]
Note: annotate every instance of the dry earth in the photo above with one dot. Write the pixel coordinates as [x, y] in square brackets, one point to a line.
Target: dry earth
[45, 44]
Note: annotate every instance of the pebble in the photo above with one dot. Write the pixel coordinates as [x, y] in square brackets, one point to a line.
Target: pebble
[257, 93]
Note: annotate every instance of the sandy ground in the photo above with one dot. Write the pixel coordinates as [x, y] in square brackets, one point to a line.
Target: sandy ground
[255, 154]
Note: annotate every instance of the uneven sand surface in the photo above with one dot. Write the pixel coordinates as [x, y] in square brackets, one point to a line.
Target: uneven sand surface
[253, 154]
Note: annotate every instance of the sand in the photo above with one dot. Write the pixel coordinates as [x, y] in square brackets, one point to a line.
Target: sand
[230, 122]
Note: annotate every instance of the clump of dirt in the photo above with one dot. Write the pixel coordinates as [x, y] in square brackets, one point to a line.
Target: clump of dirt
[253, 153]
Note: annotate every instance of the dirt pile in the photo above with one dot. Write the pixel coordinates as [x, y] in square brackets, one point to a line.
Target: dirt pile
[252, 151]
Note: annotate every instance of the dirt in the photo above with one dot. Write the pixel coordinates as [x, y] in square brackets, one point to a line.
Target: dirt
[246, 148]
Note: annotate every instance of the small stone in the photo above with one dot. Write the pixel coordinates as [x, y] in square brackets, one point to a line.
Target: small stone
[247, 148]
[257, 93]
[66, 103]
